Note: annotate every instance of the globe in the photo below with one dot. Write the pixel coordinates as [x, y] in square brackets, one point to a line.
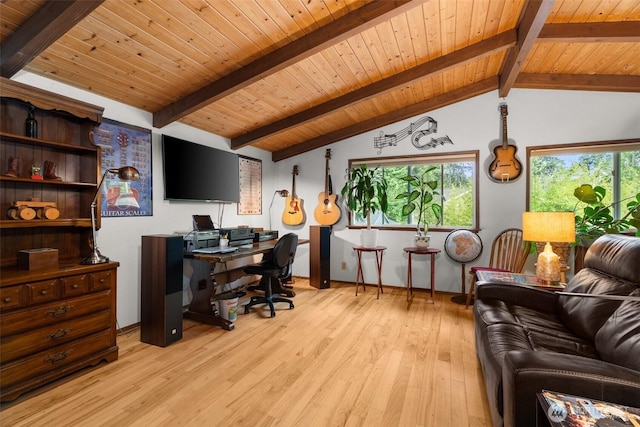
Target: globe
[463, 246]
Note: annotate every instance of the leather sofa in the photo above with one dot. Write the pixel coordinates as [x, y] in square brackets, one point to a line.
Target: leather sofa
[528, 339]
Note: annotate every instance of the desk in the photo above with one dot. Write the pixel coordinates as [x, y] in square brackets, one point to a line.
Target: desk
[203, 291]
[379, 250]
[421, 251]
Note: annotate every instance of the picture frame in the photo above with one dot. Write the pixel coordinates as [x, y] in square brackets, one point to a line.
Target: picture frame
[121, 145]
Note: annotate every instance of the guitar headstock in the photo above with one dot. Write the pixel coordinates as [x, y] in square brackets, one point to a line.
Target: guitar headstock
[503, 109]
[328, 154]
[295, 170]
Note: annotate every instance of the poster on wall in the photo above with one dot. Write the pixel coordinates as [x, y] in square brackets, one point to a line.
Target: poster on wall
[250, 186]
[125, 145]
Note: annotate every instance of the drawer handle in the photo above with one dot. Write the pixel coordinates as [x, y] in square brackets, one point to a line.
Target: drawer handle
[102, 281]
[59, 334]
[7, 300]
[56, 358]
[59, 311]
[43, 292]
[75, 286]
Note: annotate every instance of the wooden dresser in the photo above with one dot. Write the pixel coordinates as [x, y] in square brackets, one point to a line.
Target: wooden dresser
[54, 320]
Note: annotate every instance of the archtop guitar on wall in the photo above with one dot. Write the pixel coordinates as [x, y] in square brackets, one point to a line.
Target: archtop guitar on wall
[293, 212]
[505, 166]
[327, 212]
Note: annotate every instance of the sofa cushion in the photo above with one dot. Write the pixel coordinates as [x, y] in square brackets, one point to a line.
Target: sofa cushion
[616, 255]
[618, 341]
[585, 315]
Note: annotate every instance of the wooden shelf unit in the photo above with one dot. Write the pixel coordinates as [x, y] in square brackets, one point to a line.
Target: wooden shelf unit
[53, 321]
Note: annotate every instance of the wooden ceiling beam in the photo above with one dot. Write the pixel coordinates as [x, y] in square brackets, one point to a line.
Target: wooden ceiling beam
[341, 29]
[42, 29]
[591, 32]
[591, 82]
[470, 53]
[531, 23]
[404, 113]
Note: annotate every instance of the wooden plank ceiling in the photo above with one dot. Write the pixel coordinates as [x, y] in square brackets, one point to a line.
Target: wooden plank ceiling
[289, 76]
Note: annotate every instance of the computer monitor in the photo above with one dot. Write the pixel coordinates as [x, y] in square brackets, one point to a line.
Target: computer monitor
[202, 223]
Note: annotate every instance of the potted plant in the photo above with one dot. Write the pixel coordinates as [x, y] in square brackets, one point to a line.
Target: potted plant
[365, 192]
[422, 196]
[597, 219]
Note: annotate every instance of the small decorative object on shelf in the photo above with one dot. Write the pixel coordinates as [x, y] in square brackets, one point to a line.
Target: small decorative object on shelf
[50, 171]
[36, 172]
[31, 124]
[14, 167]
[30, 209]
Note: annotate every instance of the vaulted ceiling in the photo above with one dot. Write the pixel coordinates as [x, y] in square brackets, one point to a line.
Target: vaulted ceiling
[289, 76]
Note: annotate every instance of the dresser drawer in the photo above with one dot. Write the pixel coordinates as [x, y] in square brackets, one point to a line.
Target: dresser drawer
[12, 297]
[44, 291]
[55, 312]
[101, 280]
[53, 360]
[14, 346]
[74, 285]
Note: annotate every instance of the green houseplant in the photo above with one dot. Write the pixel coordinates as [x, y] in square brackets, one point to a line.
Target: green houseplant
[594, 218]
[365, 192]
[422, 195]
[597, 218]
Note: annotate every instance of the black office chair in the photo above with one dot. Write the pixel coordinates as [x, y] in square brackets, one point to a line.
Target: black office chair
[274, 269]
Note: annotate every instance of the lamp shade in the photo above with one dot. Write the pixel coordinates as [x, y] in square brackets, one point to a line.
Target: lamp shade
[548, 226]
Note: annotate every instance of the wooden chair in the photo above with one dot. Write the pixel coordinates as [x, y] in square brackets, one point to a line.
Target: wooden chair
[508, 253]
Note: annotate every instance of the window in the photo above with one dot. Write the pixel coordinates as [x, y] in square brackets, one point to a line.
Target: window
[457, 176]
[555, 171]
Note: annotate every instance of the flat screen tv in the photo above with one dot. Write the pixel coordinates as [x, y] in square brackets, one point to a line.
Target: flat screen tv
[195, 172]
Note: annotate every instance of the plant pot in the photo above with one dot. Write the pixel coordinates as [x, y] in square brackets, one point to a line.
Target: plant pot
[369, 237]
[421, 241]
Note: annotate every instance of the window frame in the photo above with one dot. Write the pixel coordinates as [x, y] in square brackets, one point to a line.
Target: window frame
[471, 156]
[606, 146]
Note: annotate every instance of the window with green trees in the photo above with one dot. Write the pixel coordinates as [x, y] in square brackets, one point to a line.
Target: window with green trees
[556, 171]
[457, 178]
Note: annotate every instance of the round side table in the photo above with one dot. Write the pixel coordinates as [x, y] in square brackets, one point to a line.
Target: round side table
[421, 251]
[379, 251]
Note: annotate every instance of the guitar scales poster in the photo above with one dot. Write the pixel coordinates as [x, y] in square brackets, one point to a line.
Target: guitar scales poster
[250, 186]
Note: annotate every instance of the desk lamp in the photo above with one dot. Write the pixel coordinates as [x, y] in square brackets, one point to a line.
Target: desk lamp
[548, 227]
[125, 173]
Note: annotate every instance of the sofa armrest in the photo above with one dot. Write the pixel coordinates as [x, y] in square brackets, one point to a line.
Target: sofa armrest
[525, 373]
[526, 296]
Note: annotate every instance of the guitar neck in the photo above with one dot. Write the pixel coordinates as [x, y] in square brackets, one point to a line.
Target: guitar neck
[326, 177]
[503, 111]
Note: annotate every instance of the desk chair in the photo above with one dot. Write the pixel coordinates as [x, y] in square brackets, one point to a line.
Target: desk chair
[274, 269]
[508, 253]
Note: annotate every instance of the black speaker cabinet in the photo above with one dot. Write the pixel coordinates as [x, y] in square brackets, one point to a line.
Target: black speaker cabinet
[161, 296]
[320, 256]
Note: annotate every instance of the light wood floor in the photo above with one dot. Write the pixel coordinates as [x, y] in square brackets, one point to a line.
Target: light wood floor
[334, 360]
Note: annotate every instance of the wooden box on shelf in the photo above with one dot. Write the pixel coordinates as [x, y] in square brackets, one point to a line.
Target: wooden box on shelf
[34, 259]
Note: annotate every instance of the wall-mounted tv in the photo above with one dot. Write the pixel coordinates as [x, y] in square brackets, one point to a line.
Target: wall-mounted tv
[195, 172]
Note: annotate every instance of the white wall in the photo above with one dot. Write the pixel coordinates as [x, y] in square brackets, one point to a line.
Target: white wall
[536, 117]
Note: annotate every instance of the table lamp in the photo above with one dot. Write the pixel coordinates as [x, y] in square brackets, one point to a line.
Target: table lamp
[125, 173]
[548, 227]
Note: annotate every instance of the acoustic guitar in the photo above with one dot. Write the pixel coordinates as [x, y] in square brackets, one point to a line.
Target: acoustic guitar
[327, 212]
[293, 213]
[505, 166]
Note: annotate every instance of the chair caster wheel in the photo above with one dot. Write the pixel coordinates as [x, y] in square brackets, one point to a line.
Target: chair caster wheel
[246, 309]
[291, 306]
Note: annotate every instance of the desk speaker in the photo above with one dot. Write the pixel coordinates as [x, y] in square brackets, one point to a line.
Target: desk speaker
[320, 256]
[161, 290]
